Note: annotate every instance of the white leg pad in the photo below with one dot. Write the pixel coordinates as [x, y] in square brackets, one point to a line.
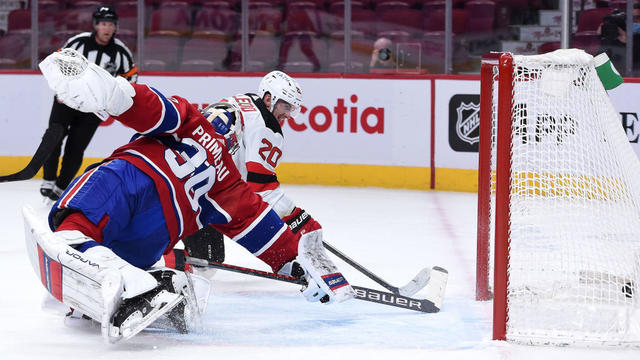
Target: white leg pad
[93, 282]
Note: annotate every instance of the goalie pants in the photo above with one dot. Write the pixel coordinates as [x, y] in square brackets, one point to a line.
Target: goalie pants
[123, 203]
[79, 129]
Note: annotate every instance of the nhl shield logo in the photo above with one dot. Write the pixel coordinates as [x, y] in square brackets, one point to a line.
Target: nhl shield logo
[468, 122]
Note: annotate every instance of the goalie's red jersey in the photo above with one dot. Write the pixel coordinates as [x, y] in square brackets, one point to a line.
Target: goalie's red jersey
[196, 179]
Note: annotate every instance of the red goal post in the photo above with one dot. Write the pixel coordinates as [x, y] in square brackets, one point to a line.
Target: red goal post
[556, 175]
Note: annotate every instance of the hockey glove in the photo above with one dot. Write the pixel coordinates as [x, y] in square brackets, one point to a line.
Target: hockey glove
[325, 283]
[300, 221]
[85, 86]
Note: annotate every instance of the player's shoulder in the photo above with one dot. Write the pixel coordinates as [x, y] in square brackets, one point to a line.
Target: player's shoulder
[83, 36]
[269, 121]
[121, 45]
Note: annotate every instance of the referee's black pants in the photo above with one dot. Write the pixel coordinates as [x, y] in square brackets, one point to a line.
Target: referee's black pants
[79, 129]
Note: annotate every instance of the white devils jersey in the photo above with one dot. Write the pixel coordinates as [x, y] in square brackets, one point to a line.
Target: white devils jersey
[261, 149]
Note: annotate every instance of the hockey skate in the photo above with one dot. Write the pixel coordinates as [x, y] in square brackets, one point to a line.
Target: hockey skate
[135, 314]
[183, 317]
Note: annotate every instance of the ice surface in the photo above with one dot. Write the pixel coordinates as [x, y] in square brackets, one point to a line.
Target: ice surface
[394, 233]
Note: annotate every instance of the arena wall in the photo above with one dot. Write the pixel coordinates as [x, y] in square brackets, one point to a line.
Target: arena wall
[415, 132]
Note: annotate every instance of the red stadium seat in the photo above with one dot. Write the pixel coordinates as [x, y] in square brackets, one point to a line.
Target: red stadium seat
[15, 50]
[302, 53]
[435, 21]
[433, 45]
[130, 39]
[218, 4]
[262, 55]
[364, 22]
[431, 6]
[264, 49]
[19, 19]
[302, 18]
[77, 19]
[391, 5]
[216, 23]
[161, 53]
[621, 5]
[126, 5]
[93, 4]
[337, 7]
[405, 20]
[481, 8]
[588, 41]
[590, 19]
[360, 55]
[50, 5]
[548, 47]
[203, 54]
[265, 20]
[483, 15]
[316, 3]
[170, 21]
[127, 19]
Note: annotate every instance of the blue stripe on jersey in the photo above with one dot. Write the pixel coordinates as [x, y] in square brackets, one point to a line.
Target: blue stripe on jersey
[165, 178]
[263, 232]
[170, 119]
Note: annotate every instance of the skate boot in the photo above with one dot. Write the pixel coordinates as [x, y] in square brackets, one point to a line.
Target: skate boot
[135, 314]
[183, 316]
[55, 194]
[47, 188]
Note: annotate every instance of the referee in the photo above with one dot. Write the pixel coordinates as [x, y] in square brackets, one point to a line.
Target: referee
[102, 48]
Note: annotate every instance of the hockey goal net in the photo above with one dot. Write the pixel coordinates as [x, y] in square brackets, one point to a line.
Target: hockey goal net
[558, 204]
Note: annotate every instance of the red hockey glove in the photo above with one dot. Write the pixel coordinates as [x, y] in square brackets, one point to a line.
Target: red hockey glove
[301, 222]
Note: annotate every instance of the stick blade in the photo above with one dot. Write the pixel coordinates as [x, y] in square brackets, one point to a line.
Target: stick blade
[437, 285]
[417, 283]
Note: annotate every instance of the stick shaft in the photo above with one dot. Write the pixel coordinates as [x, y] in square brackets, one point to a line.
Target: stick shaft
[360, 268]
[243, 270]
[50, 139]
[362, 293]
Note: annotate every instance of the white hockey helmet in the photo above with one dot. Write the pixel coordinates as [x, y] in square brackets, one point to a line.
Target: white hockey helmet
[281, 87]
[228, 122]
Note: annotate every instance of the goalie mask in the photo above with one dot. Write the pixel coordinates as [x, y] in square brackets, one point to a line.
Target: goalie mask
[228, 122]
[281, 87]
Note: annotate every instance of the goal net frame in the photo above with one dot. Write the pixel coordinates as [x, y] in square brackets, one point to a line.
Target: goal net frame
[495, 186]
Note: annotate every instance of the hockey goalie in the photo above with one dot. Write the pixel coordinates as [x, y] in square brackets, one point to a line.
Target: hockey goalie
[115, 221]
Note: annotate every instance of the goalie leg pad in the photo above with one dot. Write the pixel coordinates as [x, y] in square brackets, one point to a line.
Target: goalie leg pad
[92, 282]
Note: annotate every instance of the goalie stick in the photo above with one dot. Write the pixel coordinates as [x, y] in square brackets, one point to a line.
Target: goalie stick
[416, 284]
[429, 305]
[50, 138]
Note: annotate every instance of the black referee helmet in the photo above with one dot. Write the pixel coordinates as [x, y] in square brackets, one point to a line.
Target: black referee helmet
[105, 13]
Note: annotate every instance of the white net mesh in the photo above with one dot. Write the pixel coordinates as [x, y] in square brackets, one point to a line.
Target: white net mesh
[574, 251]
[71, 62]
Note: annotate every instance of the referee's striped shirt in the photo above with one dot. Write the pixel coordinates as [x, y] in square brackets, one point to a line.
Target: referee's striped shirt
[115, 57]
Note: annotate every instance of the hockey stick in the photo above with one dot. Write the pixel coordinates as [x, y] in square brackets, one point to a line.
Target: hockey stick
[416, 284]
[49, 140]
[428, 305]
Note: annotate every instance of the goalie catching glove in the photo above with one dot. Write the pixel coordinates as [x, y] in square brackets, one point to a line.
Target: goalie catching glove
[325, 283]
[85, 86]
